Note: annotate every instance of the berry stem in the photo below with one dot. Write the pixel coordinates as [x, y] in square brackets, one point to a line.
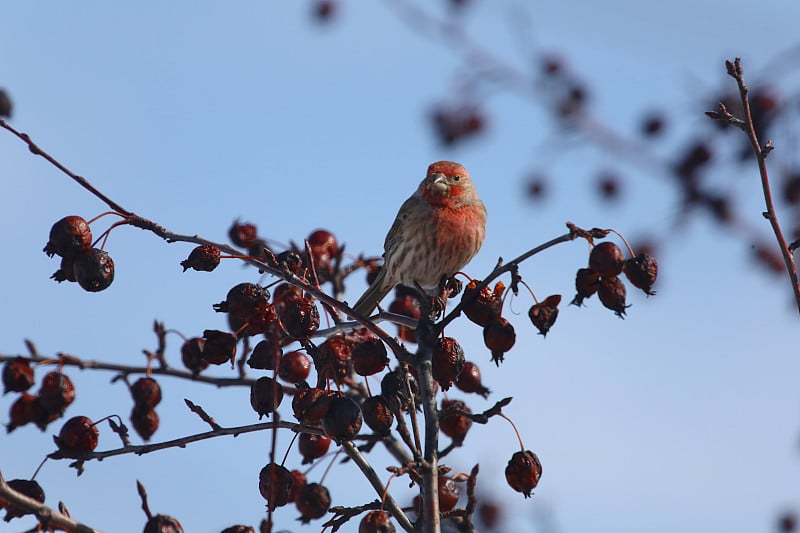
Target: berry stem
[519, 438]
[530, 291]
[628, 246]
[289, 448]
[101, 215]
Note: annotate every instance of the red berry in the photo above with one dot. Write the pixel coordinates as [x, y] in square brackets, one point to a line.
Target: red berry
[606, 259]
[376, 522]
[343, 420]
[204, 258]
[56, 393]
[406, 305]
[484, 306]
[265, 396]
[243, 234]
[146, 392]
[68, 237]
[294, 367]
[612, 295]
[544, 314]
[369, 353]
[17, 375]
[311, 405]
[641, 271]
[192, 355]
[275, 483]
[26, 408]
[333, 358]
[447, 361]
[313, 501]
[448, 494]
[30, 489]
[300, 317]
[453, 424]
[469, 380]
[499, 337]
[312, 446]
[78, 435]
[523, 472]
[378, 415]
[324, 250]
[145, 421]
[218, 347]
[94, 270]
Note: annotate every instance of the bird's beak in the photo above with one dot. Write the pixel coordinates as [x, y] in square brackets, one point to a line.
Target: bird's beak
[438, 185]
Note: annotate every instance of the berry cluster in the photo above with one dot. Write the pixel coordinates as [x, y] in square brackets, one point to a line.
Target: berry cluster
[71, 239]
[56, 393]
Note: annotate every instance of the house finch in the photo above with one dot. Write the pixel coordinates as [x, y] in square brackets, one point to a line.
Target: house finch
[436, 232]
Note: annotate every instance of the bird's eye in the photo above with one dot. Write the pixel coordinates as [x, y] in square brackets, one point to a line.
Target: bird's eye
[456, 178]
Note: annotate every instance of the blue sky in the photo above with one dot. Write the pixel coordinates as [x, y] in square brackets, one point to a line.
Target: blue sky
[681, 417]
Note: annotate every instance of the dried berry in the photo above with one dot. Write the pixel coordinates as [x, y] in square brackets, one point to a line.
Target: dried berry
[544, 314]
[378, 415]
[192, 355]
[469, 380]
[405, 304]
[483, 307]
[333, 358]
[65, 271]
[94, 270]
[56, 393]
[78, 435]
[606, 259]
[238, 529]
[369, 353]
[218, 347]
[5, 104]
[145, 421]
[265, 396]
[311, 405]
[447, 361]
[312, 446]
[285, 292]
[298, 481]
[587, 281]
[266, 355]
[25, 409]
[448, 494]
[294, 367]
[161, 523]
[300, 317]
[396, 392]
[523, 472]
[29, 488]
[248, 303]
[343, 420]
[452, 423]
[17, 375]
[324, 250]
[203, 258]
[612, 295]
[499, 337]
[641, 271]
[313, 501]
[68, 237]
[376, 522]
[275, 484]
[146, 392]
[243, 234]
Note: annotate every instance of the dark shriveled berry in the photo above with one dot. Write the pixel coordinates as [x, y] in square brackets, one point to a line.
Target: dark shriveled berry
[469, 380]
[146, 392]
[612, 295]
[312, 446]
[543, 314]
[25, 409]
[243, 234]
[313, 501]
[29, 488]
[378, 415]
[447, 361]
[68, 237]
[265, 396]
[587, 281]
[395, 391]
[266, 355]
[65, 272]
[56, 393]
[275, 484]
[300, 317]
[376, 522]
[484, 306]
[452, 423]
[641, 271]
[334, 357]
[298, 482]
[219, 347]
[78, 435]
[523, 472]
[248, 303]
[343, 420]
[162, 523]
[192, 355]
[17, 375]
[203, 258]
[369, 353]
[499, 337]
[606, 259]
[94, 270]
[145, 421]
[311, 405]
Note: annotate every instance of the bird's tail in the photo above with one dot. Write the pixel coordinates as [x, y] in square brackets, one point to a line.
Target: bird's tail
[373, 295]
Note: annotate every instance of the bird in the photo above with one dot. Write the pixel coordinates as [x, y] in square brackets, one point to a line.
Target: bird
[436, 232]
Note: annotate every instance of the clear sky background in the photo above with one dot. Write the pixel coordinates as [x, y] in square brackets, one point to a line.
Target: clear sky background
[683, 417]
